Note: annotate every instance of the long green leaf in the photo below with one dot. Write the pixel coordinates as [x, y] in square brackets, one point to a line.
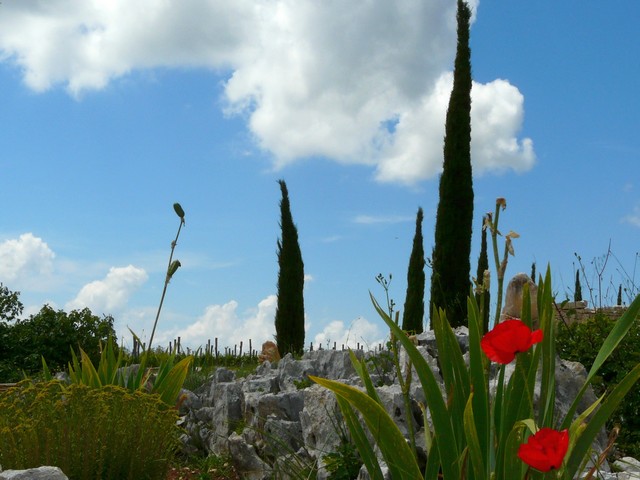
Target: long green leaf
[89, 374]
[473, 441]
[478, 366]
[598, 420]
[363, 373]
[446, 443]
[616, 335]
[169, 385]
[548, 377]
[397, 454]
[360, 440]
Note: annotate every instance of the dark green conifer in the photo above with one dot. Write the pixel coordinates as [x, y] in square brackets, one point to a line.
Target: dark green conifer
[290, 309]
[619, 295]
[450, 259]
[483, 298]
[413, 314]
[577, 294]
[533, 272]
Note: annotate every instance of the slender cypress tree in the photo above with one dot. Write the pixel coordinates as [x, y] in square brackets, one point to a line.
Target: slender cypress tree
[620, 295]
[533, 272]
[483, 298]
[290, 309]
[413, 315]
[450, 259]
[577, 294]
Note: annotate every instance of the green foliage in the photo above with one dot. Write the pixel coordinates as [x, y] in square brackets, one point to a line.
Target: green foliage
[53, 335]
[107, 433]
[10, 305]
[303, 383]
[344, 463]
[476, 436]
[289, 319]
[413, 314]
[580, 342]
[166, 380]
[450, 259]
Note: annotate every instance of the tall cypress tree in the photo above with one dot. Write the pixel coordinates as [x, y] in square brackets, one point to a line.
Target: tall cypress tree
[450, 259]
[483, 298]
[290, 309]
[577, 293]
[414, 303]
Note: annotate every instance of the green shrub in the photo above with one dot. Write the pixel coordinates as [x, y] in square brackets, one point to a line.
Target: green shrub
[580, 342]
[106, 433]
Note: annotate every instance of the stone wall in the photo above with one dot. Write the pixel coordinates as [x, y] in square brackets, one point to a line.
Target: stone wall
[580, 311]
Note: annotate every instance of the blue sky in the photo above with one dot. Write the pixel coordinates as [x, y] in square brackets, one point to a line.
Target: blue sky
[113, 111]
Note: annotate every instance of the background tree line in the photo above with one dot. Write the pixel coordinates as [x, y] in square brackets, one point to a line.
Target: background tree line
[49, 333]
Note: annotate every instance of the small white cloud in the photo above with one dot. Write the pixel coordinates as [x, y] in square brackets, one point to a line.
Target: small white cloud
[112, 293]
[634, 217]
[25, 259]
[308, 278]
[381, 219]
[360, 331]
[230, 328]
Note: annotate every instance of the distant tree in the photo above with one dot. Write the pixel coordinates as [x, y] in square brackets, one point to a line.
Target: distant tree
[413, 314]
[484, 297]
[533, 271]
[450, 259]
[10, 305]
[577, 293]
[290, 309]
[619, 295]
[53, 334]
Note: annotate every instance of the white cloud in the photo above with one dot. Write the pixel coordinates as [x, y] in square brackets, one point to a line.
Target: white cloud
[414, 152]
[111, 294]
[378, 219]
[634, 217]
[359, 331]
[27, 259]
[228, 326]
[356, 82]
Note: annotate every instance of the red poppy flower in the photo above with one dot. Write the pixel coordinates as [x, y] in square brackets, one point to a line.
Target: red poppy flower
[508, 338]
[545, 450]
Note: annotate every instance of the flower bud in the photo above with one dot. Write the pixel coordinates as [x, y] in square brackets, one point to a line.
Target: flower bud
[173, 268]
[179, 211]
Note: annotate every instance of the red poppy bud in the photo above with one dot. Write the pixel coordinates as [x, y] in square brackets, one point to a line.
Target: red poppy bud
[545, 450]
[508, 338]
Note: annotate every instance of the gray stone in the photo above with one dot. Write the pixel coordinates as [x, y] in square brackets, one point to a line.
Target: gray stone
[513, 298]
[629, 465]
[319, 433]
[246, 460]
[40, 473]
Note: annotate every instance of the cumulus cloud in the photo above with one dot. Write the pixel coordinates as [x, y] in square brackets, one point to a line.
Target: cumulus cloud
[356, 82]
[112, 293]
[25, 259]
[359, 331]
[230, 327]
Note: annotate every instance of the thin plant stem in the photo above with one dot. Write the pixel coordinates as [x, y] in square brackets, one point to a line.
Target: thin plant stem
[499, 270]
[166, 283]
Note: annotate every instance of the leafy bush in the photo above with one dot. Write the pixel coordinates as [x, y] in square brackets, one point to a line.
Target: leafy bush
[580, 342]
[53, 335]
[106, 433]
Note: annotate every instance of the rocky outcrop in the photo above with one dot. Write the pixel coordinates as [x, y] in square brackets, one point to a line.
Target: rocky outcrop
[277, 412]
[40, 473]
